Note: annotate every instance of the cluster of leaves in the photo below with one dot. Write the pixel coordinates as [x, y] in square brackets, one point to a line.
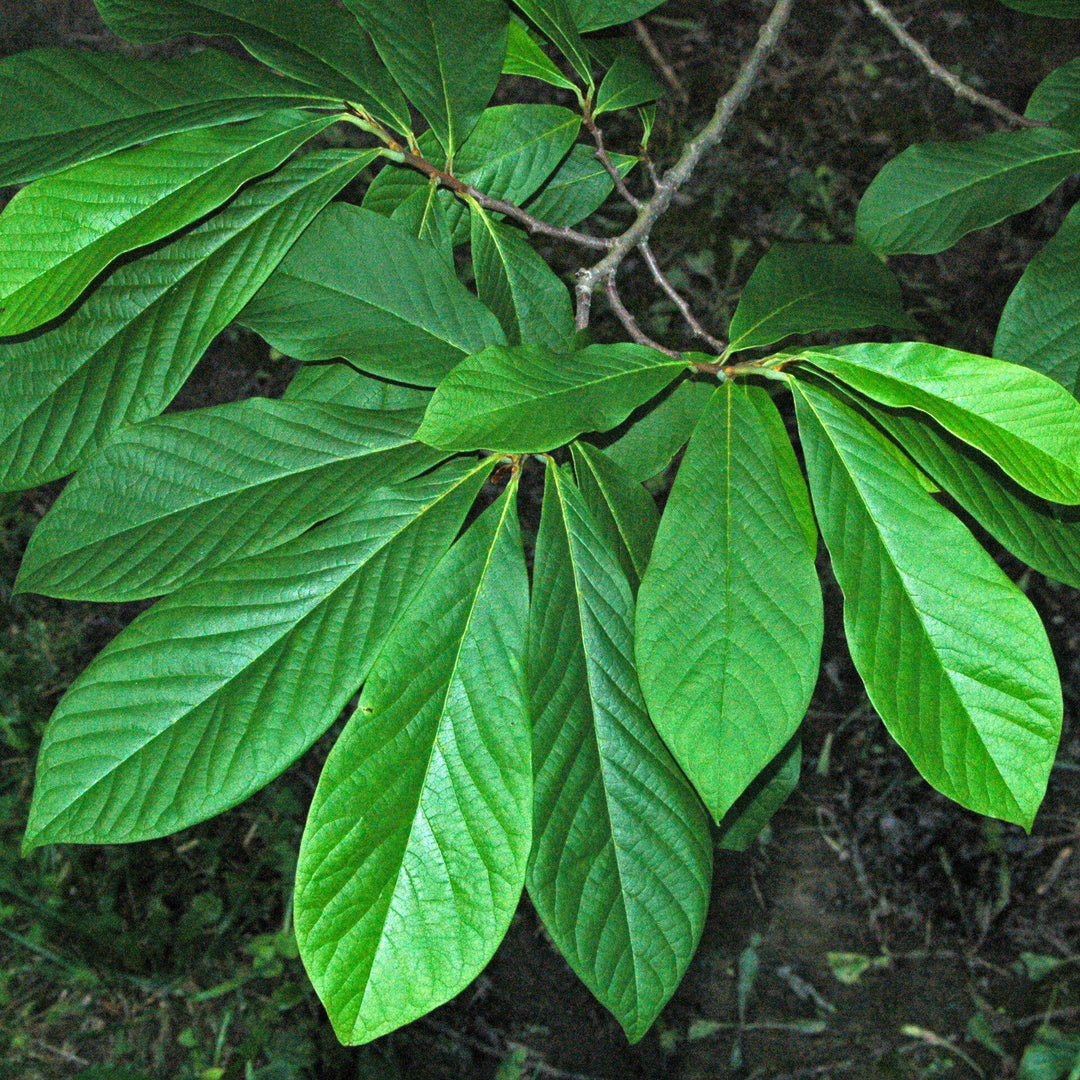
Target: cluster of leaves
[572, 735]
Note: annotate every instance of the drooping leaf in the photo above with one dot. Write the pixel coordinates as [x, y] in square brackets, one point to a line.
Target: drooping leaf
[953, 655]
[729, 617]
[62, 107]
[126, 352]
[630, 81]
[621, 508]
[800, 288]
[58, 234]
[626, 914]
[555, 20]
[514, 282]
[357, 286]
[339, 384]
[1053, 9]
[1021, 419]
[169, 499]
[577, 188]
[413, 858]
[446, 57]
[315, 42]
[596, 14]
[929, 196]
[1056, 99]
[528, 399]
[1040, 326]
[255, 661]
[758, 804]
[525, 57]
[650, 443]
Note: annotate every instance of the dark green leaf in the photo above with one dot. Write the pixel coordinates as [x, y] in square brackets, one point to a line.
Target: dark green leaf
[953, 655]
[757, 805]
[413, 858]
[555, 20]
[525, 57]
[630, 81]
[256, 661]
[1053, 9]
[1056, 99]
[626, 914]
[426, 214]
[527, 399]
[729, 618]
[339, 384]
[596, 14]
[577, 188]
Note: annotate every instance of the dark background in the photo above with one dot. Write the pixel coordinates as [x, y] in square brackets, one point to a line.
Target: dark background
[174, 959]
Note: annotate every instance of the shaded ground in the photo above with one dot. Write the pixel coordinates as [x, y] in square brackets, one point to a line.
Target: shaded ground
[170, 958]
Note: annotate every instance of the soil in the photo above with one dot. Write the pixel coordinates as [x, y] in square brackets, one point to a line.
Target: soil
[865, 859]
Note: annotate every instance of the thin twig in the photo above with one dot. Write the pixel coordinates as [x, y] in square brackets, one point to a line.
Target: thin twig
[713, 132]
[658, 58]
[630, 325]
[678, 299]
[939, 71]
[605, 159]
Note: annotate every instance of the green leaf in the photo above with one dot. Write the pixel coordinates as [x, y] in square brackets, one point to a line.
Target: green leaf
[413, 858]
[1056, 99]
[446, 57]
[578, 188]
[531, 303]
[622, 509]
[124, 354]
[339, 384]
[1052, 9]
[1024, 421]
[315, 42]
[758, 804]
[168, 499]
[929, 196]
[555, 20]
[650, 443]
[596, 14]
[627, 915]
[1040, 326]
[62, 107]
[729, 617]
[256, 661]
[1044, 535]
[58, 234]
[525, 57]
[630, 81]
[528, 399]
[426, 214]
[953, 656]
[357, 286]
[801, 288]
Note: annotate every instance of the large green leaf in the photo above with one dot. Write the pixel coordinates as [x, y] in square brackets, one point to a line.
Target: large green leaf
[58, 234]
[596, 14]
[358, 286]
[758, 804]
[555, 20]
[929, 196]
[1026, 422]
[953, 655]
[528, 399]
[531, 303]
[650, 443]
[800, 288]
[1056, 99]
[1053, 9]
[427, 214]
[315, 42]
[62, 107]
[1044, 535]
[171, 498]
[447, 57]
[339, 384]
[622, 509]
[128, 349]
[413, 858]
[621, 861]
[630, 81]
[578, 187]
[729, 617]
[255, 661]
[1040, 326]
[525, 57]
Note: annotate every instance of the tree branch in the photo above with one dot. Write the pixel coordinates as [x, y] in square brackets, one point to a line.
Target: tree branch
[604, 158]
[678, 299]
[939, 71]
[629, 323]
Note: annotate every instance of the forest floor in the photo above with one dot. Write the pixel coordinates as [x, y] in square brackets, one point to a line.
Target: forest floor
[874, 930]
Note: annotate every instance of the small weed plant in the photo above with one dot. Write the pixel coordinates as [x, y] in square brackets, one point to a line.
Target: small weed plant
[588, 731]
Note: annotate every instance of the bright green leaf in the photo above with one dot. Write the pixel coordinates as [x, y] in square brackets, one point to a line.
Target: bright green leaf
[931, 195]
[954, 657]
[555, 20]
[413, 858]
[527, 399]
[630, 81]
[168, 499]
[339, 384]
[129, 348]
[758, 804]
[729, 618]
[525, 57]
[627, 915]
[801, 288]
[255, 661]
[426, 214]
[578, 188]
[1021, 419]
